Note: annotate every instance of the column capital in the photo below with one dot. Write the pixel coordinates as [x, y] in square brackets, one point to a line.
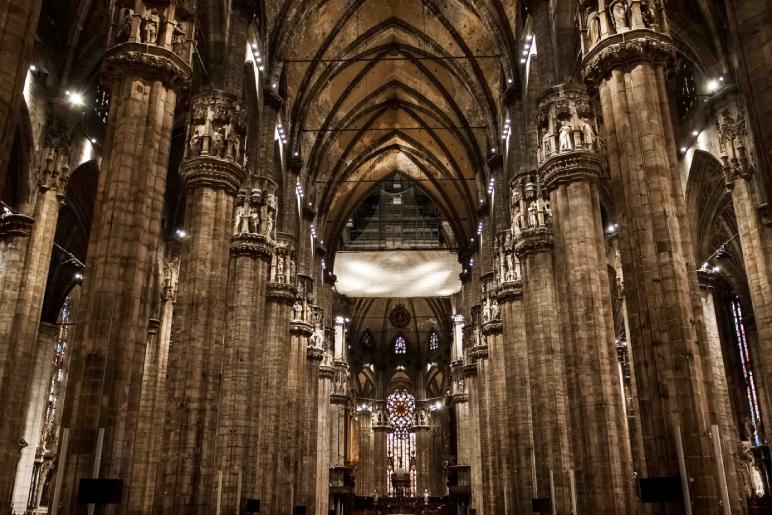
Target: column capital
[729, 118]
[146, 62]
[248, 244]
[212, 172]
[706, 278]
[509, 291]
[272, 99]
[15, 224]
[282, 293]
[625, 50]
[533, 241]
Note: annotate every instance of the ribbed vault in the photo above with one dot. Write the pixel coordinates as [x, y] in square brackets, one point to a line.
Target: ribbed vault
[373, 87]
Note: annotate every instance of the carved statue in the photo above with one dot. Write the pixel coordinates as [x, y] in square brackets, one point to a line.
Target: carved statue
[291, 271]
[216, 143]
[426, 496]
[280, 268]
[510, 267]
[254, 219]
[242, 218]
[619, 15]
[178, 38]
[533, 220]
[150, 23]
[588, 135]
[268, 226]
[234, 145]
[297, 312]
[495, 310]
[565, 135]
[547, 143]
[593, 26]
[195, 144]
[487, 310]
[123, 31]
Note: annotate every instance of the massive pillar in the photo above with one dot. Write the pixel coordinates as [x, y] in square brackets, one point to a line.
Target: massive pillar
[553, 456]
[517, 388]
[325, 424]
[251, 255]
[496, 378]
[723, 415]
[18, 26]
[23, 281]
[150, 430]
[31, 454]
[626, 60]
[570, 169]
[308, 429]
[212, 172]
[103, 395]
[737, 165]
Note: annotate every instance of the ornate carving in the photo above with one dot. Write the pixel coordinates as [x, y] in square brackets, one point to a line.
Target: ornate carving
[506, 264]
[534, 240]
[205, 172]
[566, 168]
[532, 208]
[732, 131]
[248, 244]
[617, 52]
[283, 266]
[281, 292]
[490, 309]
[567, 123]
[160, 24]
[217, 127]
[151, 63]
[399, 316]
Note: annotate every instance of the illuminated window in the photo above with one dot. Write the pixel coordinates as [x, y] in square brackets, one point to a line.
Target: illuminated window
[400, 345]
[400, 442]
[750, 381]
[434, 341]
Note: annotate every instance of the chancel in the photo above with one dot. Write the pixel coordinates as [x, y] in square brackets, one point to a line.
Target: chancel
[362, 257]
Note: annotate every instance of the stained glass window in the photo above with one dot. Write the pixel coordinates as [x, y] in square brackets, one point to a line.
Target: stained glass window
[434, 341]
[401, 442]
[750, 382]
[400, 345]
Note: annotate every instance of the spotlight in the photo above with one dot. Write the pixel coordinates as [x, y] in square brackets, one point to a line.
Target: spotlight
[523, 61]
[33, 68]
[716, 269]
[529, 37]
[695, 133]
[509, 81]
[261, 67]
[93, 141]
[181, 233]
[78, 276]
[712, 86]
[683, 150]
[74, 98]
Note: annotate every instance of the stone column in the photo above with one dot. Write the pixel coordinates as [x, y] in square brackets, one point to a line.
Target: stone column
[144, 70]
[517, 402]
[553, 455]
[150, 432]
[380, 431]
[755, 237]
[494, 371]
[472, 434]
[237, 431]
[722, 409]
[18, 25]
[325, 424]
[212, 172]
[281, 317]
[308, 430]
[42, 370]
[366, 467]
[422, 446]
[628, 68]
[570, 174]
[23, 288]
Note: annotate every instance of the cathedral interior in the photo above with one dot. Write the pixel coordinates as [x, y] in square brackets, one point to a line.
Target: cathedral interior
[385, 256]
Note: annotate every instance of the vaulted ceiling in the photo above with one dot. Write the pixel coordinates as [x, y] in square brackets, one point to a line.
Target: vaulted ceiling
[377, 86]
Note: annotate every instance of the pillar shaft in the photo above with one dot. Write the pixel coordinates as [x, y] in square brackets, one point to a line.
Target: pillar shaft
[212, 173]
[102, 405]
[22, 299]
[549, 400]
[237, 430]
[661, 285]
